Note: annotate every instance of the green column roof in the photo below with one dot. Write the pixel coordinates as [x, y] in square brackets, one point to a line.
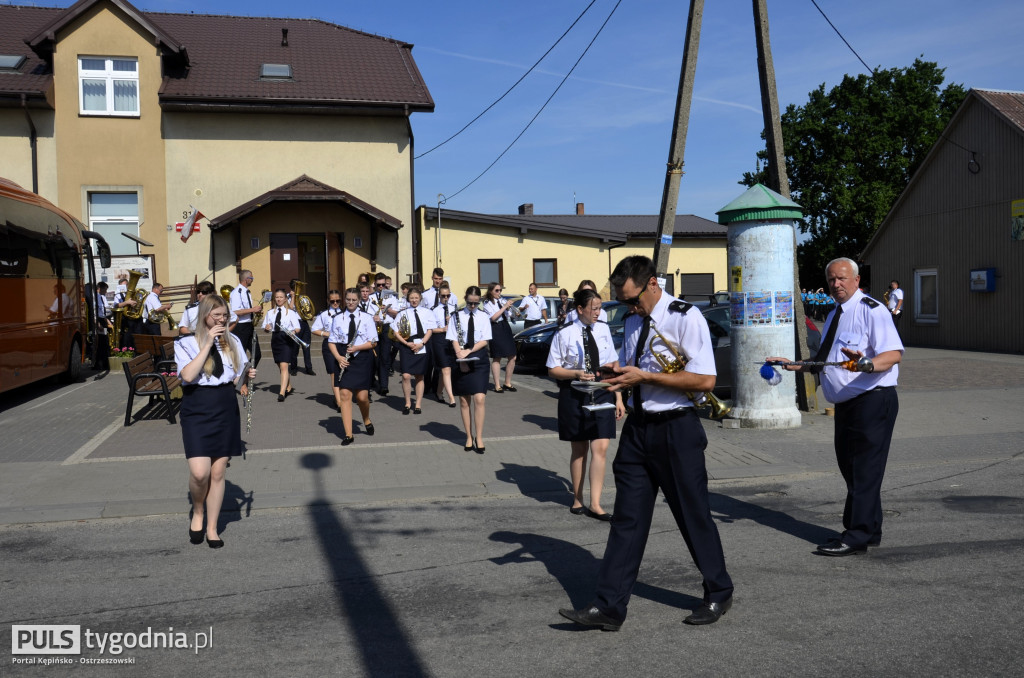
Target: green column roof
[759, 202]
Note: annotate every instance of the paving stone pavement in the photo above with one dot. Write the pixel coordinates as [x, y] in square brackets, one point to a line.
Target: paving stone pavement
[67, 455]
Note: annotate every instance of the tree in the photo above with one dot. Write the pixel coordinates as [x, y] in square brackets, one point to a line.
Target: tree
[852, 151]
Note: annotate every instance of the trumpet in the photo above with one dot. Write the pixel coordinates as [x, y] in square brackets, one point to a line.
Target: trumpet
[298, 340]
[678, 364]
[515, 310]
[159, 317]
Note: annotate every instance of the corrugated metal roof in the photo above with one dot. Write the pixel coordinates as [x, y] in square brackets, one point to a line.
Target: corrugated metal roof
[1010, 104]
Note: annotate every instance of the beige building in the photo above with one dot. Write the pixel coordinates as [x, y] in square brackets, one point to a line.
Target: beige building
[292, 137]
[557, 251]
[955, 237]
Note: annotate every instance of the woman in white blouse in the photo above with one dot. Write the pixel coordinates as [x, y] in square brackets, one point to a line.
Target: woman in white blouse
[469, 331]
[209, 360]
[502, 343]
[413, 348]
[578, 350]
[279, 320]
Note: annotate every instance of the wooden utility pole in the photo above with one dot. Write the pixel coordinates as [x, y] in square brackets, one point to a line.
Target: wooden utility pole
[670, 195]
[779, 182]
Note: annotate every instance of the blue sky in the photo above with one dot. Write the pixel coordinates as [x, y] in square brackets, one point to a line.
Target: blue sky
[605, 136]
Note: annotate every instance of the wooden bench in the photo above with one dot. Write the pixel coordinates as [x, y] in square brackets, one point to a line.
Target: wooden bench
[145, 379]
[155, 346]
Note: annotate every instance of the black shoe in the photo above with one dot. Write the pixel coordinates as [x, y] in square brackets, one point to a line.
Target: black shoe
[480, 449]
[578, 511]
[369, 428]
[310, 372]
[195, 536]
[291, 390]
[417, 410]
[838, 548]
[606, 517]
[280, 397]
[383, 392]
[499, 390]
[709, 613]
[292, 371]
[468, 448]
[406, 410]
[511, 389]
[452, 404]
[591, 616]
[215, 543]
[347, 440]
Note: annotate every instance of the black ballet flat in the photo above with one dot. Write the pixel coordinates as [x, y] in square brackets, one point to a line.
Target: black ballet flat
[511, 389]
[291, 390]
[417, 410]
[452, 404]
[369, 428]
[215, 543]
[406, 410]
[347, 440]
[195, 536]
[280, 397]
[499, 390]
[578, 511]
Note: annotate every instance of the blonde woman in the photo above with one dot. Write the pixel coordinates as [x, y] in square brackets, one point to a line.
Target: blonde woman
[209, 360]
[280, 320]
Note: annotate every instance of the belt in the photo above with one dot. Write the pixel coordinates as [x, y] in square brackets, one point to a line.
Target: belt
[861, 395]
[660, 417]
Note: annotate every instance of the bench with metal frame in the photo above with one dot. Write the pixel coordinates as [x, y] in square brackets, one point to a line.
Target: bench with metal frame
[146, 378]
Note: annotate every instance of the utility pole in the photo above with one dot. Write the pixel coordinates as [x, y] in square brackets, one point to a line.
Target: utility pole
[670, 194]
[779, 182]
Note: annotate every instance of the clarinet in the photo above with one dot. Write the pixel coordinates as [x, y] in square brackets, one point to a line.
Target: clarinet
[248, 391]
[464, 366]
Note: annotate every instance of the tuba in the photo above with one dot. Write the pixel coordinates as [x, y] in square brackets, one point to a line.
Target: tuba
[134, 293]
[303, 304]
[678, 364]
[225, 292]
[159, 317]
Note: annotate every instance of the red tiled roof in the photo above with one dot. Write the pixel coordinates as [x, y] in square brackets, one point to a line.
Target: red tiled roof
[332, 66]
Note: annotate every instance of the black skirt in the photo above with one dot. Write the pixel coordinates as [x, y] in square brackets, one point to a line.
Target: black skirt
[442, 351]
[210, 423]
[412, 363]
[285, 350]
[358, 375]
[502, 343]
[475, 380]
[330, 363]
[576, 423]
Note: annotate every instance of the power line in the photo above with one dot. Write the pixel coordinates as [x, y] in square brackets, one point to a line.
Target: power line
[870, 70]
[516, 84]
[589, 45]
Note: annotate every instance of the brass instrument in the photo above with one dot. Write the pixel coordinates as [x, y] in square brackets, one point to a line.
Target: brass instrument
[295, 338]
[257, 316]
[225, 292]
[678, 364]
[404, 329]
[134, 293]
[159, 317]
[517, 313]
[303, 304]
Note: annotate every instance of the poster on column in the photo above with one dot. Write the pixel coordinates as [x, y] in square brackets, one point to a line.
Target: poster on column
[736, 310]
[759, 308]
[783, 307]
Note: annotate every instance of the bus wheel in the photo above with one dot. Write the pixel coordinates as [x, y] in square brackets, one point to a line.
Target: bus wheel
[74, 371]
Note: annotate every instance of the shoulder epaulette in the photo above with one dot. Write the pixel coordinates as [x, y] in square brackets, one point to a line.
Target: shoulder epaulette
[601, 321]
[566, 325]
[181, 336]
[192, 305]
[870, 302]
[680, 306]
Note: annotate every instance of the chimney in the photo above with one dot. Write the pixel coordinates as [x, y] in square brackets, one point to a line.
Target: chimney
[284, 37]
[526, 209]
[579, 209]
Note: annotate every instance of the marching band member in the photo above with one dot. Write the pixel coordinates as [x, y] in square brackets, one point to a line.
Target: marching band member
[535, 306]
[502, 343]
[129, 327]
[103, 325]
[564, 306]
[441, 348]
[242, 306]
[304, 333]
[430, 300]
[322, 328]
[578, 350]
[279, 320]
[191, 312]
[353, 336]
[367, 305]
[585, 285]
[209, 360]
[469, 332]
[153, 304]
[383, 299]
[414, 348]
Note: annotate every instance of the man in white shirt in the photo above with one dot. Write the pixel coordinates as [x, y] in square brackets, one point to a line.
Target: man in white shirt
[153, 305]
[895, 303]
[243, 307]
[535, 307]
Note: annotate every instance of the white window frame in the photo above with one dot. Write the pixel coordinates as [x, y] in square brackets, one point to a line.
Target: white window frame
[119, 224]
[109, 75]
[919, 316]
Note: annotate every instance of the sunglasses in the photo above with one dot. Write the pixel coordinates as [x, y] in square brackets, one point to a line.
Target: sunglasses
[633, 301]
[472, 303]
[445, 296]
[378, 284]
[335, 301]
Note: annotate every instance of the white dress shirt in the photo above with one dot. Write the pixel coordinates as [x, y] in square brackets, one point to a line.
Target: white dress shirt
[289, 319]
[366, 329]
[241, 298]
[533, 304]
[186, 348]
[481, 327]
[568, 351]
[866, 328]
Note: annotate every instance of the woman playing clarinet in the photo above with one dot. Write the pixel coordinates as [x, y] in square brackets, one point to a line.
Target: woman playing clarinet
[209, 359]
[280, 320]
[353, 336]
[469, 332]
[413, 348]
[441, 348]
[578, 351]
[322, 328]
[502, 343]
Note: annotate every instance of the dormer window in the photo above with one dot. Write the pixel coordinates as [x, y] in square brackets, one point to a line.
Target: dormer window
[275, 72]
[10, 63]
[108, 86]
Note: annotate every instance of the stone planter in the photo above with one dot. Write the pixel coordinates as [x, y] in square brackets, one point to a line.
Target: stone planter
[117, 364]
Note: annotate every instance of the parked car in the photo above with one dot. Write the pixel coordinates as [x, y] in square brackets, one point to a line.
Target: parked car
[534, 344]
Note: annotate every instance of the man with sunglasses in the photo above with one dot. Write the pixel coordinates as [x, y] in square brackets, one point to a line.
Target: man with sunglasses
[662, 447]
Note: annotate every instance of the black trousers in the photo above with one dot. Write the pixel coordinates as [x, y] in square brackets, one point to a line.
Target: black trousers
[152, 329]
[384, 358]
[244, 333]
[306, 336]
[863, 432]
[668, 456]
[530, 323]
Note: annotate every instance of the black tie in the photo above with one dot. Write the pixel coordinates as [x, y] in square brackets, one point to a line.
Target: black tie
[645, 331]
[277, 321]
[590, 346]
[446, 318]
[470, 333]
[218, 363]
[351, 329]
[830, 336]
[419, 325]
[249, 298]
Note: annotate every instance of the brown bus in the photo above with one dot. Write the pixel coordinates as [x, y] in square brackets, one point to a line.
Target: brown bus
[42, 302]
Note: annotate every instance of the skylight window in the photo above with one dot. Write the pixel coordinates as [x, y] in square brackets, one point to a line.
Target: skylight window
[11, 62]
[276, 72]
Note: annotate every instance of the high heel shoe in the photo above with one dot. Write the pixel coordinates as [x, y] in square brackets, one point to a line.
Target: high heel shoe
[215, 543]
[470, 447]
[195, 536]
[480, 449]
[347, 440]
